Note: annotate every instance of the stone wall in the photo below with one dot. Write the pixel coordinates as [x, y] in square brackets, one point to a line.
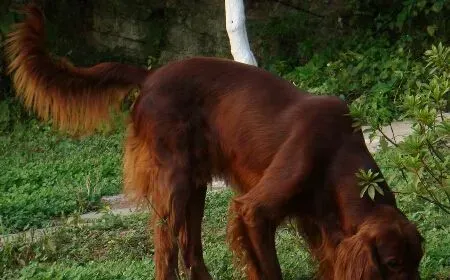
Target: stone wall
[164, 30]
[135, 26]
[195, 28]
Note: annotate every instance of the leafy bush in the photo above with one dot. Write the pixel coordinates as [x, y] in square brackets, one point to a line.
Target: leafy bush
[423, 19]
[423, 157]
[369, 69]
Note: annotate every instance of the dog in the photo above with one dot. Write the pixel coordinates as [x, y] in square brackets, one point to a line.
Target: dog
[287, 154]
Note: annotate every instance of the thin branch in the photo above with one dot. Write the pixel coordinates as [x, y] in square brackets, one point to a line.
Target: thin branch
[402, 170]
[299, 8]
[387, 138]
[154, 209]
[443, 207]
[434, 200]
[433, 150]
[392, 131]
[441, 113]
[431, 173]
[177, 269]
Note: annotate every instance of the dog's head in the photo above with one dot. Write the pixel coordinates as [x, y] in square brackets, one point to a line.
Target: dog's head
[386, 246]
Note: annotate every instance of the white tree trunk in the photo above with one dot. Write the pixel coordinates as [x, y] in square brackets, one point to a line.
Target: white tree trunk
[235, 23]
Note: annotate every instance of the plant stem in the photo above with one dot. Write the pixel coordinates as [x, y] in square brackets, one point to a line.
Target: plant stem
[387, 138]
[392, 131]
[434, 151]
[434, 200]
[177, 270]
[428, 169]
[443, 207]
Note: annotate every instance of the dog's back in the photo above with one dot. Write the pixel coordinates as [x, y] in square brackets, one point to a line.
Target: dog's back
[235, 116]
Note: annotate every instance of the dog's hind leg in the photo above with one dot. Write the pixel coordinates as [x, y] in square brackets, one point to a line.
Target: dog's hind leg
[180, 202]
[190, 235]
[169, 203]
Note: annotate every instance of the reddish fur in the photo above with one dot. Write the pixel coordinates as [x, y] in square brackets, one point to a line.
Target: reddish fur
[77, 99]
[287, 153]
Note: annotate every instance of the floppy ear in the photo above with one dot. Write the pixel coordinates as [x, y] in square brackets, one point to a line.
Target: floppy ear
[354, 260]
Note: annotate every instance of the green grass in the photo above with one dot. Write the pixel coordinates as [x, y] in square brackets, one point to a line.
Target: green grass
[121, 248]
[47, 175]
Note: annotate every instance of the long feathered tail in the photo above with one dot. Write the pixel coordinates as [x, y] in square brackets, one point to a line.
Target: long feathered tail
[77, 99]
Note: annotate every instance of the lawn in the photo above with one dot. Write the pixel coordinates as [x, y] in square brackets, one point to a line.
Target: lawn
[120, 248]
[47, 175]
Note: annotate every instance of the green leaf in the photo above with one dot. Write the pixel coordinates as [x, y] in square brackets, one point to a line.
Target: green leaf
[363, 191]
[401, 18]
[431, 29]
[421, 4]
[356, 125]
[378, 189]
[360, 174]
[378, 179]
[371, 192]
[437, 7]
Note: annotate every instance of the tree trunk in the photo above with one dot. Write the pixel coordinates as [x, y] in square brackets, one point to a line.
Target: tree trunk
[235, 24]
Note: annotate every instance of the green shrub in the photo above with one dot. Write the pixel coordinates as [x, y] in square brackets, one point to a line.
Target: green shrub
[423, 158]
[422, 19]
[372, 70]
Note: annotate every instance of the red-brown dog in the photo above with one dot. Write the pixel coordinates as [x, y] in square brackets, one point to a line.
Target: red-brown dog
[288, 154]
